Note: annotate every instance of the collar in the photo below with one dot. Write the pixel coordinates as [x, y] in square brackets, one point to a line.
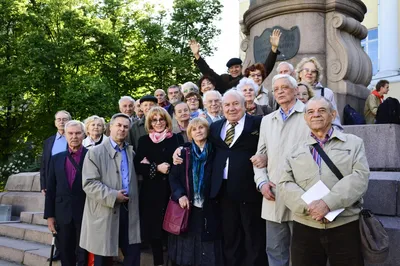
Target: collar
[241, 121]
[262, 91]
[336, 134]
[115, 145]
[298, 107]
[327, 136]
[58, 135]
[77, 153]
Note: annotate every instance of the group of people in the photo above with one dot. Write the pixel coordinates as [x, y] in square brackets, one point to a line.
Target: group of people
[249, 156]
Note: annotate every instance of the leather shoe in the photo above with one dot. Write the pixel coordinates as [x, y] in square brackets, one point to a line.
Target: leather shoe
[56, 257]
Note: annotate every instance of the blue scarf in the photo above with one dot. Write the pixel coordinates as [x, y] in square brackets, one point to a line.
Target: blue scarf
[199, 159]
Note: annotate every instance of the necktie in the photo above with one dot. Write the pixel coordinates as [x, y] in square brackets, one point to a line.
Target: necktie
[230, 134]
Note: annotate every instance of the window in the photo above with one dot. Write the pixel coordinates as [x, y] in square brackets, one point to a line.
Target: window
[370, 46]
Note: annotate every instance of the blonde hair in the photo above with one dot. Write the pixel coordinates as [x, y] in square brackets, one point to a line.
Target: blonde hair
[156, 110]
[90, 119]
[313, 60]
[198, 121]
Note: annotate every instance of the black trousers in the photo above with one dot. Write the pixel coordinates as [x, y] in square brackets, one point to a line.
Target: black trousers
[243, 232]
[313, 247]
[131, 252]
[68, 244]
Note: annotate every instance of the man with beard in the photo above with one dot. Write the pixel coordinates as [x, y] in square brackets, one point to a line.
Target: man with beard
[174, 96]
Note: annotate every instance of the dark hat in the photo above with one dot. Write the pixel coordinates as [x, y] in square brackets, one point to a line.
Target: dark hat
[148, 98]
[233, 61]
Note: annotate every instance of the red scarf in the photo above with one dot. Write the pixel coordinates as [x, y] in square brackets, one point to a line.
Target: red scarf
[376, 93]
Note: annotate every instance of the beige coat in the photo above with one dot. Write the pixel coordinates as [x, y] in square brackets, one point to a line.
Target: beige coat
[301, 172]
[101, 181]
[371, 107]
[276, 140]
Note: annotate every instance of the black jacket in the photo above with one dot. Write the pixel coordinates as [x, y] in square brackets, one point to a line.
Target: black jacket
[62, 202]
[45, 163]
[211, 208]
[240, 182]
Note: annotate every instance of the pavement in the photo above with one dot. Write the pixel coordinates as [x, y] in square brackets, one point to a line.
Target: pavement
[8, 263]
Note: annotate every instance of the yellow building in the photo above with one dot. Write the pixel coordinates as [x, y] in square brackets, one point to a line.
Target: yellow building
[382, 43]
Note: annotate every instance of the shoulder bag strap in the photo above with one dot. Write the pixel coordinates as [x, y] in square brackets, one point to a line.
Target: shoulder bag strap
[323, 92]
[328, 161]
[73, 162]
[187, 171]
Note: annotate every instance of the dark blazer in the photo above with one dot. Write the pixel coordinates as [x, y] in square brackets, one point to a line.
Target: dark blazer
[226, 81]
[62, 202]
[240, 183]
[263, 110]
[137, 130]
[45, 163]
[211, 208]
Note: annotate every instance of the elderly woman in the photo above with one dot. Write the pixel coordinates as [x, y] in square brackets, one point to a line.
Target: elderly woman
[181, 120]
[189, 87]
[249, 89]
[304, 92]
[206, 83]
[309, 71]
[94, 128]
[153, 161]
[199, 246]
[257, 73]
[195, 102]
[213, 106]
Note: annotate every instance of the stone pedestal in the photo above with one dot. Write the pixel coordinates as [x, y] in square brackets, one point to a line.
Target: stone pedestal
[330, 30]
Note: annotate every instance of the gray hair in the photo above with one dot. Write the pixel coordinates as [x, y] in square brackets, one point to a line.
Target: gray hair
[159, 90]
[236, 94]
[115, 116]
[189, 85]
[247, 81]
[90, 119]
[123, 98]
[291, 67]
[289, 78]
[318, 98]
[64, 112]
[216, 93]
[72, 123]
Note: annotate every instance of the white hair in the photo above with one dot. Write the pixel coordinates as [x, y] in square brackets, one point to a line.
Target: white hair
[318, 98]
[289, 78]
[64, 112]
[90, 119]
[72, 123]
[216, 93]
[291, 67]
[123, 98]
[236, 94]
[189, 85]
[247, 81]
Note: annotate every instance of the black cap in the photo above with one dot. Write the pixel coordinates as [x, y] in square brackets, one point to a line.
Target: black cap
[233, 61]
[148, 98]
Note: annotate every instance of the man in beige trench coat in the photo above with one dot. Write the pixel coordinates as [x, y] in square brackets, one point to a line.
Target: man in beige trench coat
[111, 214]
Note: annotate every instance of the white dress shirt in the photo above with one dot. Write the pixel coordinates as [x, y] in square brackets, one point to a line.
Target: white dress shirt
[238, 131]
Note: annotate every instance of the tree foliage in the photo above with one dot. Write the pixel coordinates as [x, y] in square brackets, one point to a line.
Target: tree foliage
[83, 55]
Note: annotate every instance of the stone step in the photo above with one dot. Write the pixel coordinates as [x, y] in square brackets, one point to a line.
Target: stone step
[9, 263]
[25, 252]
[392, 226]
[23, 201]
[383, 196]
[33, 218]
[28, 232]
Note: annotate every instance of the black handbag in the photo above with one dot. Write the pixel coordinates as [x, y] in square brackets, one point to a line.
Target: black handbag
[374, 238]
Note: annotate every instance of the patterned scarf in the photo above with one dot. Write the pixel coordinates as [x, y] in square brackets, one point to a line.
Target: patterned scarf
[157, 137]
[251, 110]
[199, 159]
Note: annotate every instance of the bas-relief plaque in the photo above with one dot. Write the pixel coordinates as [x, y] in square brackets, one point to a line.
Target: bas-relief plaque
[288, 46]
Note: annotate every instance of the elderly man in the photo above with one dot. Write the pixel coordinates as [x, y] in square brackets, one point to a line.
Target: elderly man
[137, 130]
[65, 197]
[374, 100]
[161, 98]
[235, 140]
[111, 216]
[212, 102]
[174, 96]
[279, 131]
[127, 106]
[315, 238]
[234, 65]
[52, 146]
[286, 68]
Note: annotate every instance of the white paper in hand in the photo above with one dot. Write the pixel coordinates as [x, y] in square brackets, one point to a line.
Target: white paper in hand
[317, 192]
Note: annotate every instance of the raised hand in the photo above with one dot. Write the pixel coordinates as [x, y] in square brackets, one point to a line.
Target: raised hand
[195, 47]
[274, 39]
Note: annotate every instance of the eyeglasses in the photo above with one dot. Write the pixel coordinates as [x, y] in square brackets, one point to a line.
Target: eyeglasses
[192, 99]
[256, 75]
[161, 120]
[312, 71]
[62, 119]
